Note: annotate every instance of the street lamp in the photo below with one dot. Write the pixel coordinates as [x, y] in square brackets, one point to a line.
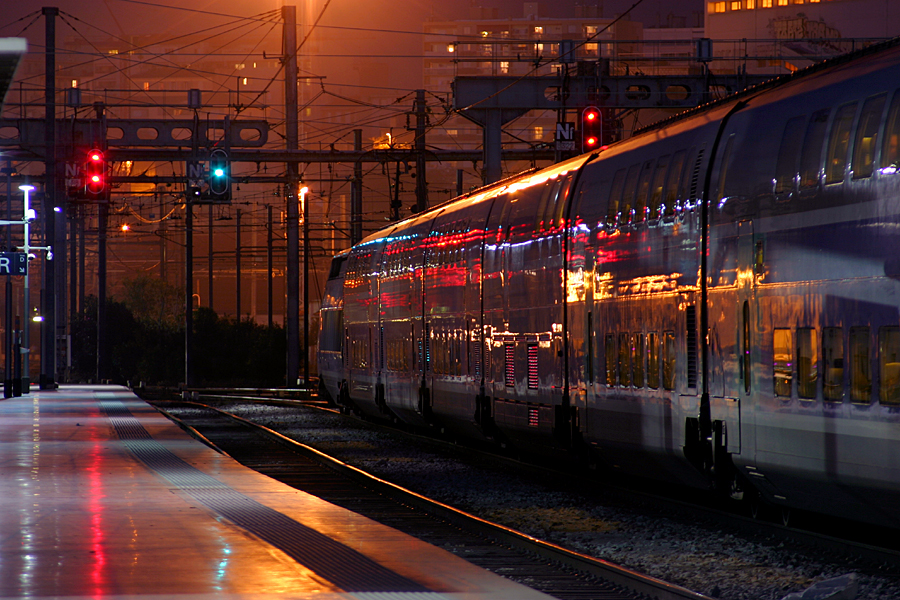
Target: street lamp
[29, 215]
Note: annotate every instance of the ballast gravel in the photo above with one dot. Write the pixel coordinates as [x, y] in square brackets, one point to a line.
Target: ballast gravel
[557, 509]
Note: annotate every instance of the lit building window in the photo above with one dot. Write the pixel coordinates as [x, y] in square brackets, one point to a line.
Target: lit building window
[451, 48]
[113, 52]
[538, 133]
[766, 3]
[736, 5]
[782, 2]
[591, 48]
[718, 7]
[146, 86]
[74, 83]
[538, 30]
[504, 67]
[749, 4]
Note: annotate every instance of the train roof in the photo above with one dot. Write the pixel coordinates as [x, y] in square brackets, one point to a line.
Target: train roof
[777, 82]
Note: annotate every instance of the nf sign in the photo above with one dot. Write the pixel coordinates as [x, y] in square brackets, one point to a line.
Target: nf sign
[565, 136]
[13, 263]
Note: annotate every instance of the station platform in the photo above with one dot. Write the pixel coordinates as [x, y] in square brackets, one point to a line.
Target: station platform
[103, 497]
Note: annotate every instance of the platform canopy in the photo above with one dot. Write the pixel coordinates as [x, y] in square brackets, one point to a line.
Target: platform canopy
[11, 52]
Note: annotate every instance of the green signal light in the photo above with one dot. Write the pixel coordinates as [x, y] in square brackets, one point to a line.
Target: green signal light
[219, 172]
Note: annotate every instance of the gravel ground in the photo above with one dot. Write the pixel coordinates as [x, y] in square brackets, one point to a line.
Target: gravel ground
[601, 523]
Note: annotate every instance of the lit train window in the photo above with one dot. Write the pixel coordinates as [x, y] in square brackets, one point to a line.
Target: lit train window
[673, 182]
[656, 187]
[889, 363]
[867, 137]
[610, 360]
[637, 359]
[860, 366]
[669, 360]
[783, 350]
[807, 363]
[786, 167]
[890, 151]
[624, 360]
[838, 143]
[533, 379]
[833, 357]
[653, 360]
[509, 373]
[811, 153]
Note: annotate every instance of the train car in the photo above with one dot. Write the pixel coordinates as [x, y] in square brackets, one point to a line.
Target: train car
[714, 301]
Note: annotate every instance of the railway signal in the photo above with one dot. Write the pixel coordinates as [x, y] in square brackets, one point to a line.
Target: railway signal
[591, 128]
[95, 175]
[219, 176]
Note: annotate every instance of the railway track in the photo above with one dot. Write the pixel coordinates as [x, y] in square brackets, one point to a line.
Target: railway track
[551, 569]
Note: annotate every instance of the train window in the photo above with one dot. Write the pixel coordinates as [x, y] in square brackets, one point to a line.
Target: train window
[637, 360]
[653, 360]
[860, 366]
[889, 363]
[615, 196]
[628, 193]
[561, 197]
[657, 185]
[624, 360]
[726, 162]
[867, 137]
[509, 359]
[833, 357]
[690, 318]
[890, 151]
[783, 349]
[551, 188]
[807, 363]
[786, 166]
[838, 143]
[673, 183]
[640, 200]
[533, 379]
[811, 153]
[610, 359]
[669, 360]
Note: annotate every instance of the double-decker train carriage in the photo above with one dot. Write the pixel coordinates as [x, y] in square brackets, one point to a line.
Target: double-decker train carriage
[716, 299]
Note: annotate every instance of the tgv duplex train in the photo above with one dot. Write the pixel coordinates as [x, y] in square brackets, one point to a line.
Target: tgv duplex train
[715, 300]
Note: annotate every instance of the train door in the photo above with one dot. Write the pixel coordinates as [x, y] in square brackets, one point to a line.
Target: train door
[745, 322]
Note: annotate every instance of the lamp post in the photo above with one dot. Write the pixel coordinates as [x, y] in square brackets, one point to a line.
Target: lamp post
[27, 218]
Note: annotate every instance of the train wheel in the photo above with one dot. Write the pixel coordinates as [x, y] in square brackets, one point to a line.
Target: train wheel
[785, 516]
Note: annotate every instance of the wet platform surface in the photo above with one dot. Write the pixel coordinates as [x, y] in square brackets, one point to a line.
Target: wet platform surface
[103, 497]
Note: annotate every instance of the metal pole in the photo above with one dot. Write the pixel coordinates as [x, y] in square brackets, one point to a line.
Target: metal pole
[304, 199]
[26, 300]
[289, 14]
[188, 290]
[270, 259]
[48, 309]
[237, 258]
[356, 193]
[8, 342]
[209, 292]
[102, 346]
[421, 181]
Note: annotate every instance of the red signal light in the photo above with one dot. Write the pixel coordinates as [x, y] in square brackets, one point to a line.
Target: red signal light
[95, 175]
[591, 128]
